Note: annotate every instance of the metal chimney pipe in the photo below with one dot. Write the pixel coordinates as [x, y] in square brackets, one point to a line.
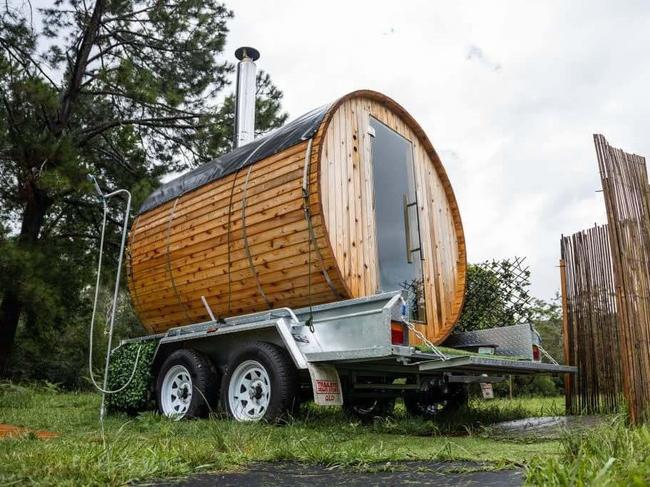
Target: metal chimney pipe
[245, 98]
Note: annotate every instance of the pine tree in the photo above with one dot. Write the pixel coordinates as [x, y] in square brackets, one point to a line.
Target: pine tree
[126, 90]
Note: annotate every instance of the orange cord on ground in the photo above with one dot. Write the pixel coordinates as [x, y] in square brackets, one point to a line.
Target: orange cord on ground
[7, 430]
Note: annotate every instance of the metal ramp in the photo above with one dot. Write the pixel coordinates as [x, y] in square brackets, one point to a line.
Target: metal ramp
[485, 364]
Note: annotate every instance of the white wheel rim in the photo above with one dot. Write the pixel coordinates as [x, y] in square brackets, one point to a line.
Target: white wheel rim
[249, 391]
[176, 392]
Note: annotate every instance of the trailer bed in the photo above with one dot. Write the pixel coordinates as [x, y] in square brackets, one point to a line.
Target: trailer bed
[352, 333]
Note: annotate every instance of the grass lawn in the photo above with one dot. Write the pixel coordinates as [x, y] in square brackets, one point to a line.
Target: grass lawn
[149, 446]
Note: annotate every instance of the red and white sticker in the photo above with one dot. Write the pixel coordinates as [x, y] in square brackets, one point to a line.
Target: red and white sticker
[326, 385]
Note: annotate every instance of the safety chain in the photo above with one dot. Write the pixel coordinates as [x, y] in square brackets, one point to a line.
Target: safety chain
[425, 340]
[547, 355]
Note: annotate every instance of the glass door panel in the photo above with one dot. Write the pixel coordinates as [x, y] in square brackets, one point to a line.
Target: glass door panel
[396, 216]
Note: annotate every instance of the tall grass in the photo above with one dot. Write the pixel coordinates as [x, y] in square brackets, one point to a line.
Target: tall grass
[612, 454]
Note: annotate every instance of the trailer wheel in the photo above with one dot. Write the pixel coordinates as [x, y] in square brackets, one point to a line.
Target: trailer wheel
[436, 399]
[259, 383]
[187, 385]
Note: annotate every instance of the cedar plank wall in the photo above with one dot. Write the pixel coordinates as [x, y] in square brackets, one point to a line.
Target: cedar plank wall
[346, 180]
[179, 250]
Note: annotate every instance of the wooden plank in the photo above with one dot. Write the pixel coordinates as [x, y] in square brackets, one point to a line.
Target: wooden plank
[568, 394]
[291, 221]
[342, 220]
[350, 196]
[360, 266]
[176, 315]
[371, 248]
[241, 289]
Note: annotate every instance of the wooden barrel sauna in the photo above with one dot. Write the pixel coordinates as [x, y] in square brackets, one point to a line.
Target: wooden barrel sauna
[346, 201]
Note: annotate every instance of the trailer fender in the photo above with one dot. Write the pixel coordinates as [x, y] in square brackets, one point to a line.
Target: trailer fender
[283, 329]
[286, 330]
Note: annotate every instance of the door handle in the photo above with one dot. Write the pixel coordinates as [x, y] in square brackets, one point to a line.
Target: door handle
[407, 228]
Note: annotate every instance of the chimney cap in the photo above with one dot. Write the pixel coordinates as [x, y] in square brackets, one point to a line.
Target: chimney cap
[247, 52]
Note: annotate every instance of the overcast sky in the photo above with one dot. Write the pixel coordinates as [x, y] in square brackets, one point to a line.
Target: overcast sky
[509, 93]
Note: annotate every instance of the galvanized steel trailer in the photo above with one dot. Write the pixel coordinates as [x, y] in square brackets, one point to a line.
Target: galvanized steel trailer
[353, 353]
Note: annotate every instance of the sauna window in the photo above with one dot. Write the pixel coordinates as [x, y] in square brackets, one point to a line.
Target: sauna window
[396, 217]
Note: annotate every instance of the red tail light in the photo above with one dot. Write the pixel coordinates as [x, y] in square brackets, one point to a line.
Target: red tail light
[537, 356]
[397, 333]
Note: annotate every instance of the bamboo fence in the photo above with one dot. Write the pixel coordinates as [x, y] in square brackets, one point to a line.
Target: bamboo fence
[591, 335]
[627, 199]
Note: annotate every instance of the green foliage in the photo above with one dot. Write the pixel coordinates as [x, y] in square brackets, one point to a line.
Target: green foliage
[137, 396]
[613, 454]
[537, 385]
[496, 295]
[547, 319]
[144, 94]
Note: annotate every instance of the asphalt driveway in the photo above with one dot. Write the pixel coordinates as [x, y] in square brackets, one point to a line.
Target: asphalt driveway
[285, 474]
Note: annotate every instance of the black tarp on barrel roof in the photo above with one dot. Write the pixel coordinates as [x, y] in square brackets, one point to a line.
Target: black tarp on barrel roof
[280, 139]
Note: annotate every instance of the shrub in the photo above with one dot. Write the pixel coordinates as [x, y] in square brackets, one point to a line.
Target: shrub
[137, 396]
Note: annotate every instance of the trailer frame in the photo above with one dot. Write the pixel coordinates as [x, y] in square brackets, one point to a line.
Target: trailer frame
[344, 348]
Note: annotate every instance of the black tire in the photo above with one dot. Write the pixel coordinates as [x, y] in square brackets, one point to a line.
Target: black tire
[204, 379]
[437, 400]
[282, 374]
[366, 409]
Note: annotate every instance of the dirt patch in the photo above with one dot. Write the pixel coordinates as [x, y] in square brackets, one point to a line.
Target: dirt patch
[11, 431]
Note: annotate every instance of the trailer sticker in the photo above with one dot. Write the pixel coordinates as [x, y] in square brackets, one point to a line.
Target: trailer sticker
[326, 385]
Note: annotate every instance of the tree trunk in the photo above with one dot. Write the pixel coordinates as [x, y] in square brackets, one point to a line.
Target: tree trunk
[37, 202]
[12, 302]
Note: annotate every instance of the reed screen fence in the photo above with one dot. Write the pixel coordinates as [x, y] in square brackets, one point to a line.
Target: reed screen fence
[627, 199]
[591, 330]
[606, 294]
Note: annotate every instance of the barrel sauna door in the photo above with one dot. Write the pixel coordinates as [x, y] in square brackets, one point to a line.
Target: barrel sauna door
[397, 219]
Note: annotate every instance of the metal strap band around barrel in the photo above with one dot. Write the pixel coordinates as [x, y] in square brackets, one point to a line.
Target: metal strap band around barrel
[169, 260]
[251, 264]
[310, 228]
[232, 192]
[246, 247]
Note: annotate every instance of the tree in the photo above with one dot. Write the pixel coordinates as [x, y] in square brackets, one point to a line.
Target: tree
[126, 90]
[496, 295]
[547, 319]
